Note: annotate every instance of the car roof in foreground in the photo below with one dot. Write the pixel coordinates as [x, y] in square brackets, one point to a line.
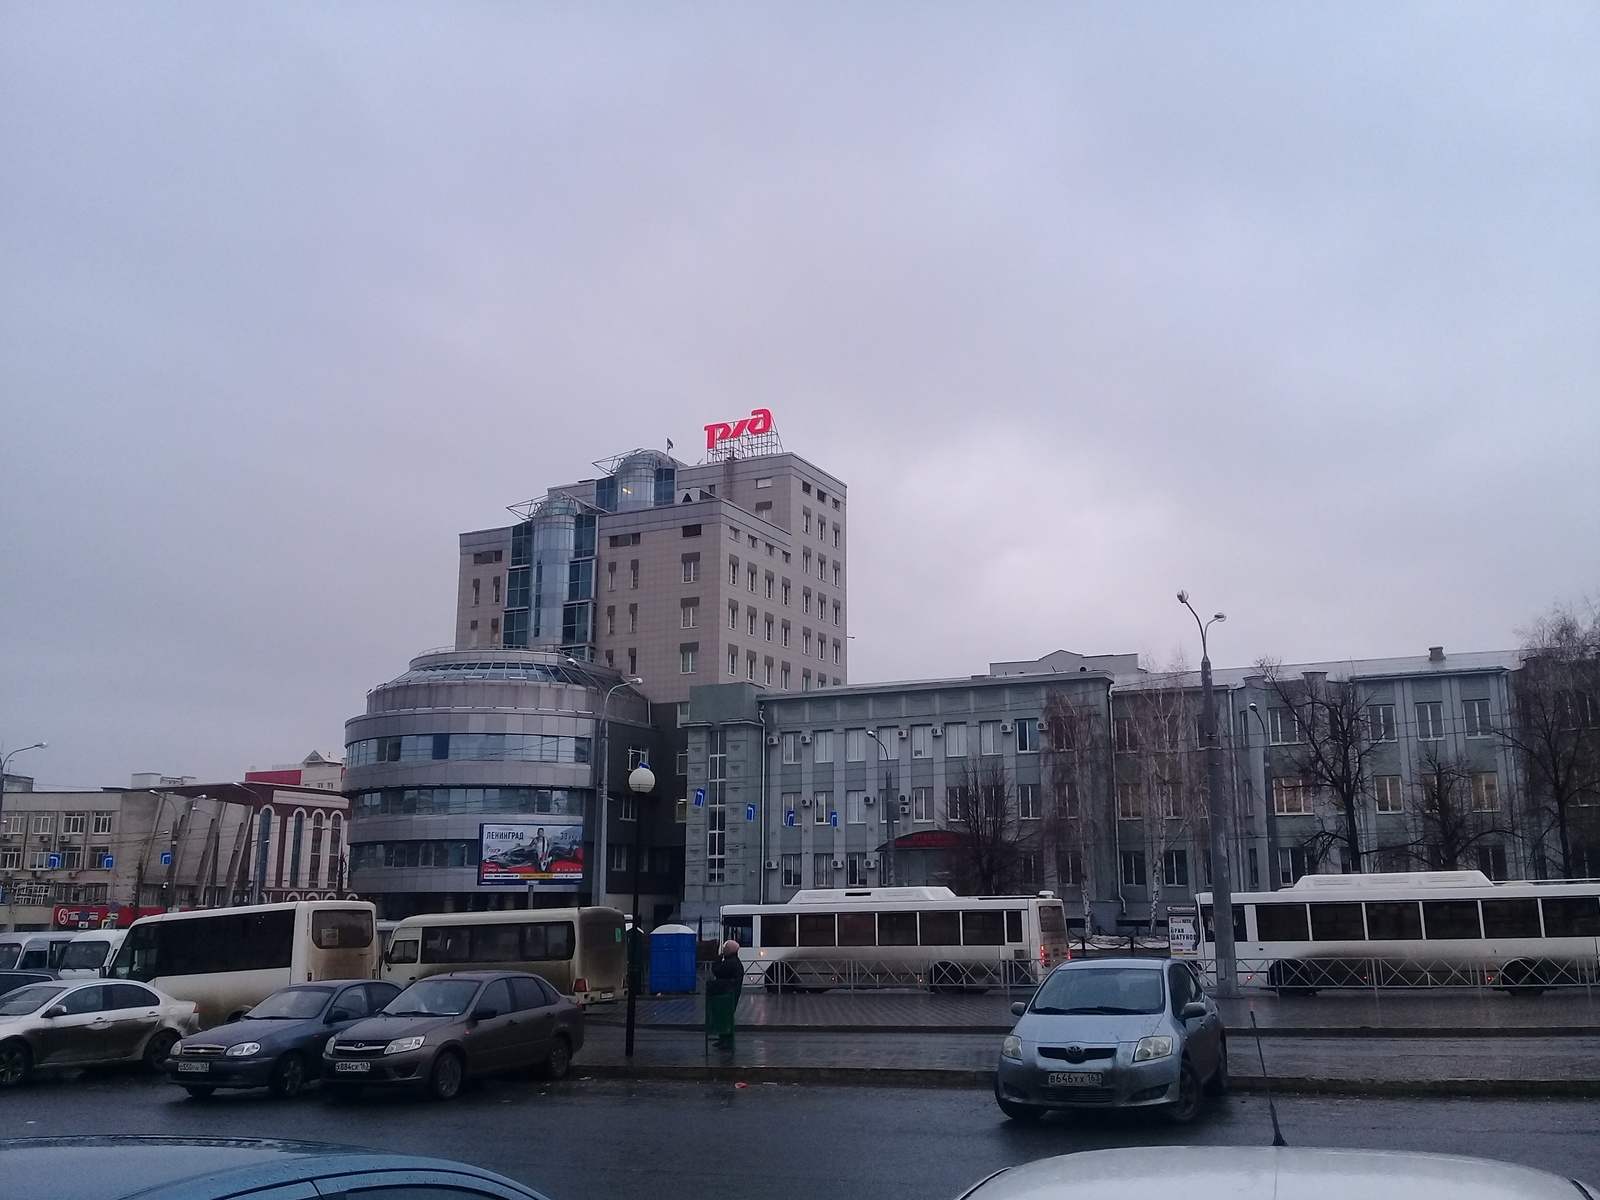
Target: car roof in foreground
[169, 1168]
[1263, 1172]
[1089, 964]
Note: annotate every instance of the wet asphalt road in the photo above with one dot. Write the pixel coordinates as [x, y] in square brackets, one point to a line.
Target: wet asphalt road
[604, 1140]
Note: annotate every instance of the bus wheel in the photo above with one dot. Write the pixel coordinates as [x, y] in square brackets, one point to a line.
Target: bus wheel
[1523, 977]
[944, 978]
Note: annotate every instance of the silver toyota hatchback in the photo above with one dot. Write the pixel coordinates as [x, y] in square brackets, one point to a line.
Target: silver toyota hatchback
[1114, 1033]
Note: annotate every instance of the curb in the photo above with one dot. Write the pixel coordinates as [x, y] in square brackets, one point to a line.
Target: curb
[1240, 1031]
[970, 1079]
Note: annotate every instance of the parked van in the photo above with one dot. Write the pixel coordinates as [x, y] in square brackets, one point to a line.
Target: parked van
[89, 954]
[33, 951]
[580, 951]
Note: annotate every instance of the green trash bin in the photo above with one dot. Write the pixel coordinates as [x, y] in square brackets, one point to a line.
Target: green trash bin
[720, 1012]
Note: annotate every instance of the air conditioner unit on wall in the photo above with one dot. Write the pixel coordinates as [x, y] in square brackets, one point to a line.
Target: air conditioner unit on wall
[805, 801]
[868, 799]
[1005, 726]
[805, 739]
[937, 731]
[838, 864]
[902, 734]
[772, 864]
[872, 864]
[772, 739]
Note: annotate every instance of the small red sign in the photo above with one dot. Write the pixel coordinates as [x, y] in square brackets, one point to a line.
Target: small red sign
[759, 421]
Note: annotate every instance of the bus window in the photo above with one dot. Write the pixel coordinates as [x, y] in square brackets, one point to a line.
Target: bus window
[1337, 923]
[548, 941]
[941, 928]
[1571, 916]
[858, 929]
[1211, 929]
[983, 929]
[1282, 923]
[1014, 925]
[403, 951]
[897, 929]
[777, 929]
[816, 929]
[500, 943]
[1511, 918]
[1394, 921]
[208, 945]
[740, 929]
[1451, 919]
[341, 929]
[447, 943]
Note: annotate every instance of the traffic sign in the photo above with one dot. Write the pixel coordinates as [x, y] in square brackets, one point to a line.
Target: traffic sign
[749, 812]
[788, 818]
[699, 797]
[55, 862]
[833, 818]
[166, 858]
[108, 862]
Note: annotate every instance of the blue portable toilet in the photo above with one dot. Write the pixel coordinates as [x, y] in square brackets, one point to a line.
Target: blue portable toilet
[672, 966]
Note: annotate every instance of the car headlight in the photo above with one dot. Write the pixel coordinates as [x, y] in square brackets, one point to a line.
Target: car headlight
[1011, 1047]
[401, 1045]
[243, 1050]
[1152, 1047]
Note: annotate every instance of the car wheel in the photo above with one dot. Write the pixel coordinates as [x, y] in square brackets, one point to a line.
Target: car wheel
[1190, 1095]
[559, 1060]
[1017, 1112]
[1217, 1085]
[444, 1081]
[288, 1076]
[159, 1048]
[199, 1093]
[16, 1064]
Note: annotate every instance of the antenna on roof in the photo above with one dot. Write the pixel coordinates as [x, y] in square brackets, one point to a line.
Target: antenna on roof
[1266, 1080]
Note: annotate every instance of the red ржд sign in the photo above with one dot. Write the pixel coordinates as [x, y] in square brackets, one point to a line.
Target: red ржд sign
[759, 421]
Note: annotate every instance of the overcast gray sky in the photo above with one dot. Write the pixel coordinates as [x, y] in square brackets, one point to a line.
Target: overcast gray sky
[1293, 305]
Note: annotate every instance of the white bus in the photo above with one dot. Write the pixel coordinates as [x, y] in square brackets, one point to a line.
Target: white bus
[1412, 929]
[898, 937]
[229, 959]
[90, 953]
[579, 951]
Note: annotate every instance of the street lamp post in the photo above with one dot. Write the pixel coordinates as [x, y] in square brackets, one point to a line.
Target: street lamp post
[602, 813]
[1216, 811]
[5, 762]
[890, 810]
[641, 781]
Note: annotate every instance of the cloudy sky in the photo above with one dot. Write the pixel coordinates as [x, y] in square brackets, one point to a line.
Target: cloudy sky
[1292, 305]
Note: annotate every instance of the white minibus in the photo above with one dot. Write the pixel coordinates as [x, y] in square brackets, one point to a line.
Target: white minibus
[90, 953]
[228, 959]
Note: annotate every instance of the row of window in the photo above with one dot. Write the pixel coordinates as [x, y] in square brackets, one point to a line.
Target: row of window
[45, 822]
[1284, 725]
[756, 669]
[948, 928]
[918, 805]
[474, 747]
[1293, 796]
[953, 737]
[72, 858]
[1405, 920]
[435, 853]
[408, 801]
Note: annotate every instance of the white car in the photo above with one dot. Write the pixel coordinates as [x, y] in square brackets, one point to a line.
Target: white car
[1266, 1173]
[67, 1023]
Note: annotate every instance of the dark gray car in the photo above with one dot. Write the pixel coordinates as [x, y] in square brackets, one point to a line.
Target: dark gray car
[1114, 1033]
[447, 1028]
[278, 1044]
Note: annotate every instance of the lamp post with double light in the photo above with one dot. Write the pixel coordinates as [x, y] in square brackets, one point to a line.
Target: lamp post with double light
[641, 782]
[1217, 814]
[891, 809]
[603, 772]
[5, 762]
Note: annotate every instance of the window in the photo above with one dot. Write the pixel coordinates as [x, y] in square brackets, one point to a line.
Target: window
[837, 650]
[785, 591]
[44, 822]
[955, 741]
[633, 660]
[1291, 866]
[619, 856]
[750, 622]
[1389, 797]
[989, 737]
[1130, 805]
[38, 860]
[922, 804]
[691, 568]
[733, 571]
[633, 621]
[821, 806]
[887, 738]
[690, 613]
[791, 747]
[97, 858]
[102, 822]
[1027, 735]
[633, 574]
[716, 806]
[611, 619]
[783, 677]
[689, 658]
[805, 681]
[1283, 729]
[764, 482]
[477, 592]
[822, 870]
[691, 531]
[855, 745]
[822, 746]
[791, 870]
[1133, 868]
[1028, 802]
[1175, 869]
[805, 642]
[733, 660]
[733, 614]
[1477, 719]
[766, 627]
[806, 520]
[921, 741]
[1337, 923]
[73, 823]
[1125, 735]
[751, 577]
[1492, 862]
[1485, 791]
[957, 803]
[836, 569]
[1430, 720]
[836, 610]
[855, 808]
[855, 875]
[496, 582]
[733, 533]
[1069, 869]
[1290, 796]
[783, 634]
[770, 582]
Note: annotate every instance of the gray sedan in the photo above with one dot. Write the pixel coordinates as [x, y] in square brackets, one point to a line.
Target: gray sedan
[1114, 1033]
[69, 1024]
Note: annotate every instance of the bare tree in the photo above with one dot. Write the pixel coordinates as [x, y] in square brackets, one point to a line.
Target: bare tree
[1453, 812]
[1074, 754]
[986, 860]
[1555, 727]
[1328, 719]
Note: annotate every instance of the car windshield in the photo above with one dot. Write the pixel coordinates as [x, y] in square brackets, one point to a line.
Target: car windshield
[9, 953]
[1105, 990]
[28, 999]
[89, 955]
[433, 998]
[291, 1004]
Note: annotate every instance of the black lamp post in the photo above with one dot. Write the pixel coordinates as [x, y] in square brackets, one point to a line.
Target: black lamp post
[641, 781]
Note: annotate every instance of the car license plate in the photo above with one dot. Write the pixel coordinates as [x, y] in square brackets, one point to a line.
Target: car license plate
[1076, 1078]
[608, 995]
[354, 1068]
[194, 1068]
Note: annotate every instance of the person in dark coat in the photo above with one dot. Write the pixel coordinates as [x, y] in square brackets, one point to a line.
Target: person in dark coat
[727, 979]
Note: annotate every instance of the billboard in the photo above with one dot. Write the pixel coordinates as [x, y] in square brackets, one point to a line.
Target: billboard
[547, 853]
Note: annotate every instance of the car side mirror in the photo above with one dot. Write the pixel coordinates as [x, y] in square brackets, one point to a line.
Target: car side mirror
[54, 1011]
[337, 1015]
[232, 1017]
[1193, 1009]
[483, 1014]
[1018, 1007]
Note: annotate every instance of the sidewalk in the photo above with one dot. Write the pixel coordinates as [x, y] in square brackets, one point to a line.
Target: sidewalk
[1544, 1066]
[1392, 1014]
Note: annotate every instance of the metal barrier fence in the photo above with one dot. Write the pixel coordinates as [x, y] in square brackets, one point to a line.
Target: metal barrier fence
[1344, 974]
[860, 974]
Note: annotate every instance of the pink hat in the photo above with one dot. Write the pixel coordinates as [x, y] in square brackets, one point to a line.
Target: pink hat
[730, 947]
